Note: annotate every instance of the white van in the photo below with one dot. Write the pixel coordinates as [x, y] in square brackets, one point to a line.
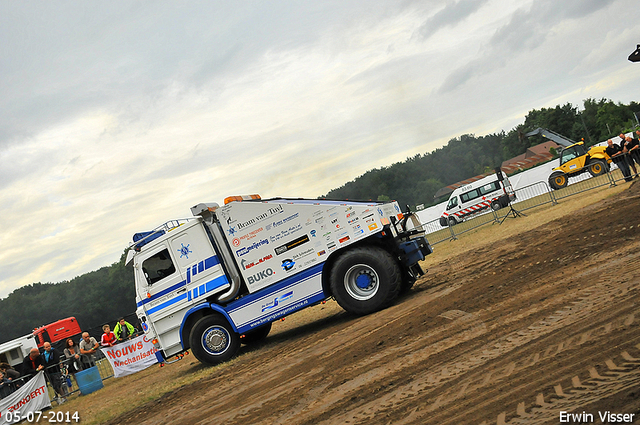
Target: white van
[493, 191]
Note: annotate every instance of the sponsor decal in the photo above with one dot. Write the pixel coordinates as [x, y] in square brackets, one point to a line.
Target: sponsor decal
[184, 251]
[313, 233]
[343, 240]
[353, 220]
[380, 212]
[277, 301]
[285, 220]
[285, 233]
[373, 226]
[321, 253]
[384, 221]
[247, 236]
[351, 214]
[236, 242]
[248, 249]
[357, 231]
[290, 245]
[396, 207]
[246, 265]
[263, 275]
[331, 246]
[303, 254]
[288, 264]
[320, 220]
[269, 213]
[232, 231]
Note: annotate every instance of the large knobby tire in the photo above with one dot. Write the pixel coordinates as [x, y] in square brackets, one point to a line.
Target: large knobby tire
[213, 340]
[558, 180]
[365, 279]
[256, 336]
[597, 168]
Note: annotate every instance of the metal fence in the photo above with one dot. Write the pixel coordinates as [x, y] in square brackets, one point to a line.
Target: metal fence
[531, 196]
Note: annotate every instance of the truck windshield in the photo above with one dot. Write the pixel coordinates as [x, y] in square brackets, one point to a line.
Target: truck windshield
[158, 266]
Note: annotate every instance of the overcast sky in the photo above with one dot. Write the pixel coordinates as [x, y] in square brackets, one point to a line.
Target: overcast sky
[118, 116]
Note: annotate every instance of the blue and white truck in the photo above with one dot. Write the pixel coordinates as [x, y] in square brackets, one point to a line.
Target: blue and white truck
[219, 279]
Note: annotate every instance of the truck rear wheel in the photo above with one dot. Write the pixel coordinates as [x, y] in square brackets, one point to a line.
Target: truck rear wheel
[255, 336]
[558, 180]
[365, 279]
[213, 340]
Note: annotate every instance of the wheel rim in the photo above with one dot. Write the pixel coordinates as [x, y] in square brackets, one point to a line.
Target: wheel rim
[215, 340]
[596, 168]
[560, 180]
[361, 282]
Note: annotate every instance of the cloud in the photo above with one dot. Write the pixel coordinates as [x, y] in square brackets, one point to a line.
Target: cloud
[451, 15]
[519, 35]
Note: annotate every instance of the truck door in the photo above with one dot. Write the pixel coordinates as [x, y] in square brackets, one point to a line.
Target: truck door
[161, 283]
[199, 264]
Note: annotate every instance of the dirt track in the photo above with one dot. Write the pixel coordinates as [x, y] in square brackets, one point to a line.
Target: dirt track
[513, 334]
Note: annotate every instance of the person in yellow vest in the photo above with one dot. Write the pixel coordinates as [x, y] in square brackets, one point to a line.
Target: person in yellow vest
[123, 330]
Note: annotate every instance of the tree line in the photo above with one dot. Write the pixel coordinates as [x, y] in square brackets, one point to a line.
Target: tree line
[103, 295]
[94, 298]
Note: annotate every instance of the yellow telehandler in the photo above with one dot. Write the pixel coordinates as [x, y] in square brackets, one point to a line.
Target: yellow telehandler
[574, 159]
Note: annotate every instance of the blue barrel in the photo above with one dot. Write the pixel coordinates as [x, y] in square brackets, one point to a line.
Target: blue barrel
[89, 380]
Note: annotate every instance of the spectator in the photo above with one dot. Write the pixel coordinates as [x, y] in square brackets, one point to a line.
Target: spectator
[634, 153]
[10, 373]
[7, 386]
[108, 337]
[52, 364]
[123, 330]
[615, 152]
[625, 146]
[32, 364]
[88, 346]
[72, 353]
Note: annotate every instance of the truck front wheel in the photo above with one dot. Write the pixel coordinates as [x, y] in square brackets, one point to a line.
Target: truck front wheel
[365, 279]
[213, 340]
